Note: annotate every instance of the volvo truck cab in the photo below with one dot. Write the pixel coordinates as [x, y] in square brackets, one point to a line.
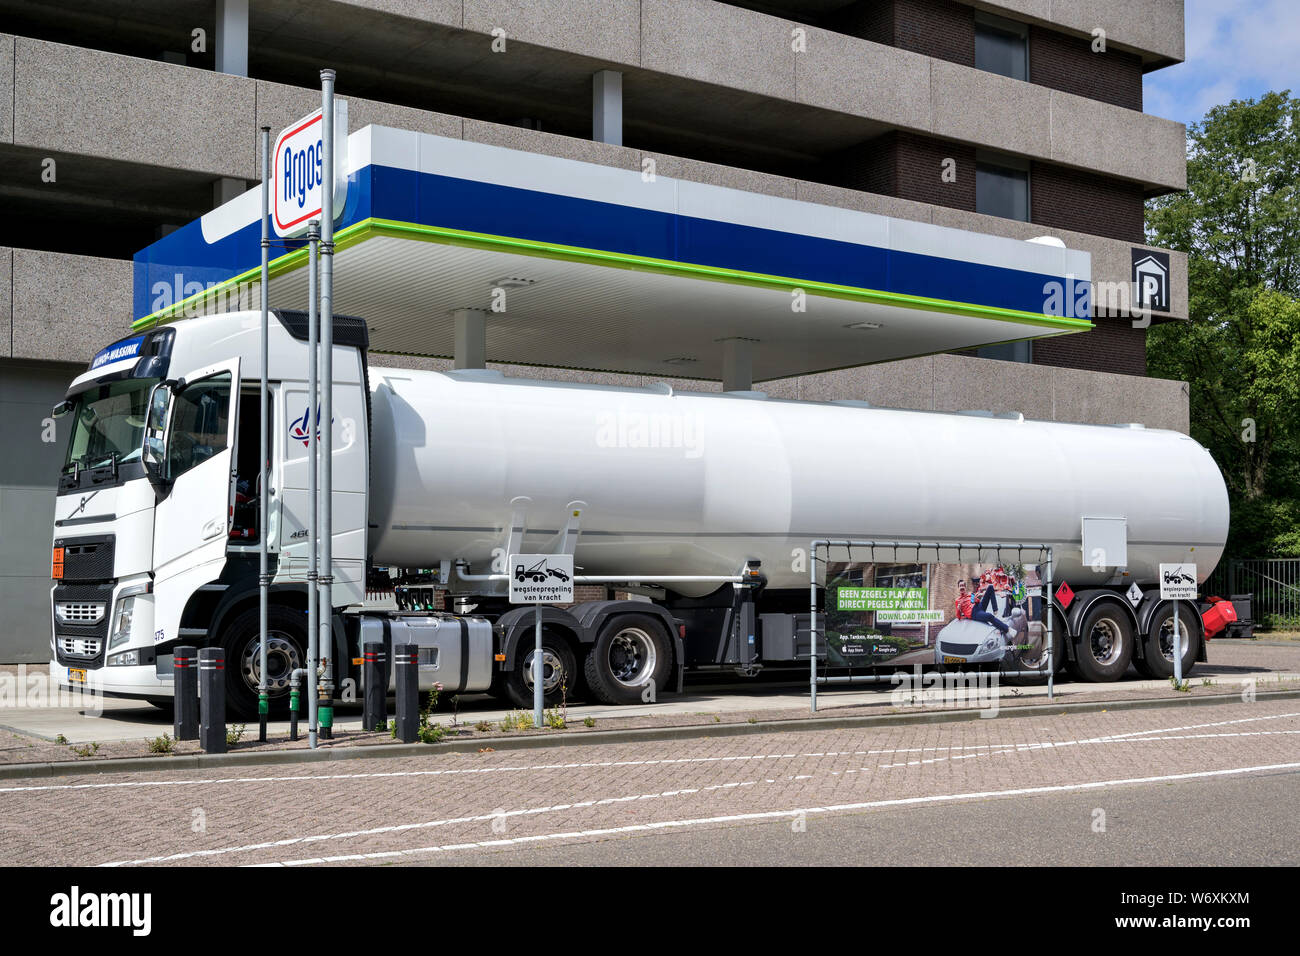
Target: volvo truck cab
[156, 530]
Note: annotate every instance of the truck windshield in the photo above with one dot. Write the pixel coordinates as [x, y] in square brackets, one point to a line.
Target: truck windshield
[108, 420]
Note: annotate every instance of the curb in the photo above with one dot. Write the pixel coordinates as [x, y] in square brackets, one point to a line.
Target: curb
[595, 737]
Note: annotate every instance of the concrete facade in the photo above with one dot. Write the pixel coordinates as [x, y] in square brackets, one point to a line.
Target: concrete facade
[848, 104]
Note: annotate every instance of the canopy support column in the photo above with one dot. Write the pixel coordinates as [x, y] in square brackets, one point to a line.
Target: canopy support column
[607, 107]
[471, 338]
[232, 37]
[737, 365]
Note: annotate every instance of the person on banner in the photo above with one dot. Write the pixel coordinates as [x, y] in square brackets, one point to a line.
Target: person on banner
[994, 584]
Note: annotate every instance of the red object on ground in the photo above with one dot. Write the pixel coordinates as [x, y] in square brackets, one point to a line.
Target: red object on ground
[1219, 615]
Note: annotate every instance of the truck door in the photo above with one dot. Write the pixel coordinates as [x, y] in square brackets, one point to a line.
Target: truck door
[192, 523]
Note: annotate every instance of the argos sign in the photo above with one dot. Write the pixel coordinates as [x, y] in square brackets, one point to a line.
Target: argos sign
[297, 171]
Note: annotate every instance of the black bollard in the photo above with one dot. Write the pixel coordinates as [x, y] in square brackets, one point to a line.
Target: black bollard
[295, 704]
[185, 691]
[212, 700]
[376, 705]
[406, 658]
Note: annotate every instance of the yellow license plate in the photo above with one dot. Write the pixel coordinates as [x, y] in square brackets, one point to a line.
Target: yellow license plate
[953, 660]
[77, 675]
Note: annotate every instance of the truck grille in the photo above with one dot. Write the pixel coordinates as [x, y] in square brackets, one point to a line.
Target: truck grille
[79, 612]
[80, 648]
[87, 559]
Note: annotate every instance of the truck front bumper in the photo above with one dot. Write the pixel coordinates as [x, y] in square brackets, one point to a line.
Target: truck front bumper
[138, 682]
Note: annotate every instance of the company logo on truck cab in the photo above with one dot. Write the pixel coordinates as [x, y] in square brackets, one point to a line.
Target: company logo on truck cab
[300, 427]
[117, 352]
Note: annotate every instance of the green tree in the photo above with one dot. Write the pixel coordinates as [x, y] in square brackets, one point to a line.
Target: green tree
[1239, 223]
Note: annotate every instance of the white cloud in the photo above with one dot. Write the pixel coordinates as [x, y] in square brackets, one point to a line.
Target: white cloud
[1235, 49]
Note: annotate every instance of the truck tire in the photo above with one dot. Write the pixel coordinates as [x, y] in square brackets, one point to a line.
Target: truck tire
[286, 632]
[631, 653]
[1159, 640]
[1105, 645]
[559, 671]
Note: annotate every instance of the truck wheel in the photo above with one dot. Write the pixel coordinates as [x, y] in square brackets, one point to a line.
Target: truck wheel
[631, 653]
[1159, 642]
[1105, 645]
[559, 671]
[286, 650]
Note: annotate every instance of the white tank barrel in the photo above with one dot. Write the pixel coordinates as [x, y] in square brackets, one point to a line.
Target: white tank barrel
[693, 483]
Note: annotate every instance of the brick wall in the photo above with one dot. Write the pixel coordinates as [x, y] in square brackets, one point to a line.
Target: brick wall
[908, 166]
[1068, 63]
[1065, 198]
[937, 28]
[866, 19]
[920, 167]
[1113, 346]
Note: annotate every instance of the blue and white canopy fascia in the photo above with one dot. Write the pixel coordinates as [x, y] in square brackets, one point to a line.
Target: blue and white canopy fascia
[586, 266]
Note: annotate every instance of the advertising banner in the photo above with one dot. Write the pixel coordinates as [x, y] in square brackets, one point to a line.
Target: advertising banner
[958, 616]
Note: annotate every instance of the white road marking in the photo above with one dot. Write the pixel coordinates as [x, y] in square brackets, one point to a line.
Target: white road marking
[983, 750]
[775, 815]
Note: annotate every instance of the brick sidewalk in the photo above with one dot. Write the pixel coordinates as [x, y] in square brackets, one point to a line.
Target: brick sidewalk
[328, 810]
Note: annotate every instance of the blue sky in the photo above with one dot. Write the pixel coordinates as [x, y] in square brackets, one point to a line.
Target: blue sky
[1235, 49]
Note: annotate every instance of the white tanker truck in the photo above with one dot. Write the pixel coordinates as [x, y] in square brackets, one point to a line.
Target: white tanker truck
[439, 476]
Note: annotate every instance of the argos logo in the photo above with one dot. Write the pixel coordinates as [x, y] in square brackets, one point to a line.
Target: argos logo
[298, 173]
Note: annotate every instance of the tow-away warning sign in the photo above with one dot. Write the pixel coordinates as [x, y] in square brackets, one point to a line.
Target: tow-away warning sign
[1178, 582]
[541, 578]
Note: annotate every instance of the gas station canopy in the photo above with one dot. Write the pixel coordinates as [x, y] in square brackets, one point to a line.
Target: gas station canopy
[620, 270]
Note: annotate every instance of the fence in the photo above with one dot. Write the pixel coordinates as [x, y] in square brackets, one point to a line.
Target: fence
[1274, 582]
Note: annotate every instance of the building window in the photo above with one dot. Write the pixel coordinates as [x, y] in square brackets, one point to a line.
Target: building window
[900, 576]
[1001, 191]
[1002, 46]
[1008, 352]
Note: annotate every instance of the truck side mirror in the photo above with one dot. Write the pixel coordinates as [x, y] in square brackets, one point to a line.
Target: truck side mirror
[62, 408]
[154, 452]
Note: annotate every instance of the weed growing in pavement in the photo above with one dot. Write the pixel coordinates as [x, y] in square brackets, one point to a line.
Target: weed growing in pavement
[162, 745]
[87, 751]
[429, 732]
[482, 726]
[234, 734]
[589, 721]
[517, 720]
[1182, 688]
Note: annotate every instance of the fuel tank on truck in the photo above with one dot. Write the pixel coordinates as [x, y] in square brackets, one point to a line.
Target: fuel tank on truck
[699, 483]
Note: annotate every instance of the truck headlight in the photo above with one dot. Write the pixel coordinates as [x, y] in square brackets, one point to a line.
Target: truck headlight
[124, 659]
[122, 614]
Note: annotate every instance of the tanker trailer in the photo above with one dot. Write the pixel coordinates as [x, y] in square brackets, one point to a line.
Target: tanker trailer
[704, 484]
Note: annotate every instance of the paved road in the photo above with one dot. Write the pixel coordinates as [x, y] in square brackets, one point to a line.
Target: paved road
[1016, 790]
[118, 720]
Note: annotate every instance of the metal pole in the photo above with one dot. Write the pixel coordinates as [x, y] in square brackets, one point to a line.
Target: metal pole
[1177, 649]
[812, 625]
[1051, 641]
[326, 579]
[539, 696]
[263, 479]
[313, 446]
